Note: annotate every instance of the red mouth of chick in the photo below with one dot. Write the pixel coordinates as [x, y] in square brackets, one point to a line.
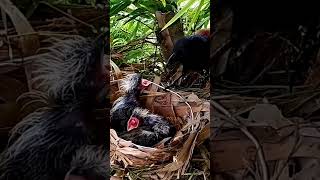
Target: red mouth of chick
[144, 84]
[133, 123]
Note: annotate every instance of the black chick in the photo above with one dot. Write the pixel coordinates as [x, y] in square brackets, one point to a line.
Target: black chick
[147, 129]
[47, 146]
[42, 145]
[191, 52]
[123, 107]
[73, 72]
[89, 163]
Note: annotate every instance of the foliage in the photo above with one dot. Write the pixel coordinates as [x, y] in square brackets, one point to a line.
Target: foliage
[195, 12]
[133, 26]
[68, 2]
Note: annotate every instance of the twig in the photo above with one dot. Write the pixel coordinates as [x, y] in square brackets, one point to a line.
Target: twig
[132, 42]
[249, 135]
[5, 24]
[43, 33]
[222, 96]
[259, 87]
[287, 41]
[69, 16]
[305, 100]
[293, 150]
[260, 152]
[185, 101]
[263, 71]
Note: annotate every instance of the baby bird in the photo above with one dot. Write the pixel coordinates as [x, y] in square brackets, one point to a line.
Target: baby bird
[147, 129]
[123, 107]
[89, 163]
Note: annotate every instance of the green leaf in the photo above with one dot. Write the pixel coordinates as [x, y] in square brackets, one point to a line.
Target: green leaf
[150, 6]
[179, 14]
[164, 3]
[134, 32]
[134, 14]
[196, 15]
[114, 9]
[203, 23]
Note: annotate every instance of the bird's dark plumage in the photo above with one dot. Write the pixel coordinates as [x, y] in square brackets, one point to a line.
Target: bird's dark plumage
[123, 107]
[43, 151]
[192, 52]
[44, 144]
[89, 162]
[72, 71]
[152, 129]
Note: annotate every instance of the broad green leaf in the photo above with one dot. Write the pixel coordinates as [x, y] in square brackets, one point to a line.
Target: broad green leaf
[179, 14]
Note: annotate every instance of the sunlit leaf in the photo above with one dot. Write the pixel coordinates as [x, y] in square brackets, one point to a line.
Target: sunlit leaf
[164, 3]
[134, 32]
[196, 15]
[179, 14]
[120, 6]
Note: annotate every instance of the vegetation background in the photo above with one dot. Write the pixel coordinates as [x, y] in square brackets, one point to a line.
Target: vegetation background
[135, 30]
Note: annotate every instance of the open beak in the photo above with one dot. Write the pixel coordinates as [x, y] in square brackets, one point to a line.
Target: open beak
[132, 123]
[130, 128]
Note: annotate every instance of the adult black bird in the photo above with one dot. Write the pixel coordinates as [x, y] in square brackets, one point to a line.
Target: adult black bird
[123, 107]
[147, 129]
[192, 53]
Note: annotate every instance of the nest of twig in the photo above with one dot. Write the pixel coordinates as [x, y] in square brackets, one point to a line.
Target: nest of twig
[170, 157]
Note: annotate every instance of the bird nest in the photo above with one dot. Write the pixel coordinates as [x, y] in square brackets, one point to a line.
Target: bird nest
[169, 158]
